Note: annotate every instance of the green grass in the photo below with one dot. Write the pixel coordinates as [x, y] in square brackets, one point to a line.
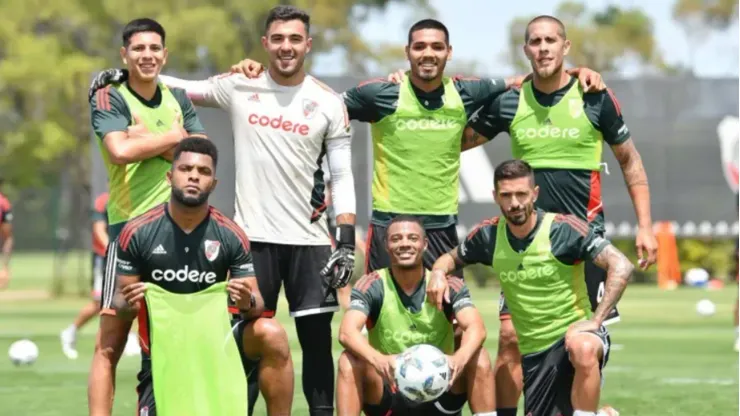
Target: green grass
[668, 361]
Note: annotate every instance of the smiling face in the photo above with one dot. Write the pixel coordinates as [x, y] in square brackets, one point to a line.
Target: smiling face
[144, 56]
[546, 47]
[406, 243]
[287, 44]
[428, 52]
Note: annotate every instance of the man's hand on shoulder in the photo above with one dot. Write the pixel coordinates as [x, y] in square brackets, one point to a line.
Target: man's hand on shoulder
[105, 78]
[590, 80]
[248, 67]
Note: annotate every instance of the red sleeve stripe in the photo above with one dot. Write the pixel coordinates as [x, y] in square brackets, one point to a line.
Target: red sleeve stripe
[231, 225]
[577, 224]
[128, 231]
[615, 101]
[103, 99]
[366, 281]
[100, 202]
[371, 81]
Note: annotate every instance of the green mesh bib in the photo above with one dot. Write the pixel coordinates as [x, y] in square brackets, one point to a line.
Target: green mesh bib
[544, 295]
[195, 361]
[137, 187]
[398, 329]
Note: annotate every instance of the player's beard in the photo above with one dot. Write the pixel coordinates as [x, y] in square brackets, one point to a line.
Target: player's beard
[520, 216]
[190, 201]
[432, 73]
[549, 71]
[287, 72]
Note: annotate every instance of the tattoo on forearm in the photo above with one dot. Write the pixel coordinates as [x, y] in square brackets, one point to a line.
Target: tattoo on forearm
[631, 163]
[618, 272]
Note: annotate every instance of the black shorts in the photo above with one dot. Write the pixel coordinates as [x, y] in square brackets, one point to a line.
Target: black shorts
[595, 278]
[298, 267]
[146, 404]
[397, 405]
[548, 378]
[441, 241]
[108, 287]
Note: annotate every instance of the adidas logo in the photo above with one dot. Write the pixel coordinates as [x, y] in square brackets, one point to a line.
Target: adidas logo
[160, 123]
[548, 122]
[254, 97]
[159, 250]
[330, 298]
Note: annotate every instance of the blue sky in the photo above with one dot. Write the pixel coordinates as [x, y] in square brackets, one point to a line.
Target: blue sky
[485, 44]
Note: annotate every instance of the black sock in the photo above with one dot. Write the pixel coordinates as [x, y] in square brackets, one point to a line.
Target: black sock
[314, 334]
[510, 411]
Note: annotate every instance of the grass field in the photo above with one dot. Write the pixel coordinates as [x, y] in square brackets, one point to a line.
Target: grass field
[667, 360]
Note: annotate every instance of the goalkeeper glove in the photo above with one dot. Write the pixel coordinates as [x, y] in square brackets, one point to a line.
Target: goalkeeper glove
[341, 264]
[106, 77]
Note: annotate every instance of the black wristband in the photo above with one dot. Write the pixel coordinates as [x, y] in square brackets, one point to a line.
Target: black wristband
[345, 235]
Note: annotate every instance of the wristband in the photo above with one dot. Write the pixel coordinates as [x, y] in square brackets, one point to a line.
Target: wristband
[345, 235]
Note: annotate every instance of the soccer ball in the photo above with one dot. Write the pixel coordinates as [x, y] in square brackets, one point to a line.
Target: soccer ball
[23, 352]
[705, 307]
[422, 373]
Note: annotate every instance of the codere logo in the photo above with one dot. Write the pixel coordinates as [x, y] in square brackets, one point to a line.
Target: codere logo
[427, 124]
[530, 273]
[183, 275]
[410, 336]
[548, 132]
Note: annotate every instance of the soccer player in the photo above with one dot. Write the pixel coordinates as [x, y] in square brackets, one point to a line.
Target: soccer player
[175, 265]
[392, 301]
[139, 122]
[417, 126]
[539, 258]
[6, 236]
[285, 122]
[99, 243]
[560, 129]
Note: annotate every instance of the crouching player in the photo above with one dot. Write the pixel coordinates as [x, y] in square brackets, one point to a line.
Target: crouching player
[172, 267]
[539, 259]
[391, 302]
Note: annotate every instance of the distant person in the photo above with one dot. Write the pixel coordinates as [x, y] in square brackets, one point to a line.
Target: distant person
[100, 240]
[6, 237]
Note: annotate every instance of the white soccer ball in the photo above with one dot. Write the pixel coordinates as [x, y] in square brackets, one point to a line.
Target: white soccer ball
[422, 373]
[23, 352]
[706, 307]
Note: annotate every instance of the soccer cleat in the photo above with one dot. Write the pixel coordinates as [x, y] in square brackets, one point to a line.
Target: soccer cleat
[69, 339]
[607, 411]
[132, 346]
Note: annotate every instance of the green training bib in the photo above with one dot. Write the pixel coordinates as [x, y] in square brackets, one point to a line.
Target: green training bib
[398, 329]
[544, 295]
[137, 187]
[557, 137]
[416, 155]
[196, 364]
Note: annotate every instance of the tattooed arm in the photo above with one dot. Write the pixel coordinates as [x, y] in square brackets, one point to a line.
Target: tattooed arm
[618, 272]
[471, 139]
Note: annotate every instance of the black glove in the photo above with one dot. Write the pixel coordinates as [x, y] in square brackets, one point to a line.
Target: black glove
[341, 264]
[106, 77]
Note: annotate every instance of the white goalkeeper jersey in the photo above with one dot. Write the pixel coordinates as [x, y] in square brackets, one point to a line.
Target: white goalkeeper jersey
[281, 135]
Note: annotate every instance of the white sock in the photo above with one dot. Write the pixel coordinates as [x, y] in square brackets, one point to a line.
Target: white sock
[71, 329]
[485, 414]
[583, 413]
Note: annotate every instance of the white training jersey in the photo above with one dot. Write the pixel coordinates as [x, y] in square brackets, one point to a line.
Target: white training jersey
[281, 136]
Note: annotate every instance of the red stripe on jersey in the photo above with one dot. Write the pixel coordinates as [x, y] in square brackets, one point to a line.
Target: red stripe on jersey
[317, 212]
[490, 221]
[221, 219]
[574, 222]
[129, 229]
[371, 81]
[366, 281]
[103, 101]
[143, 320]
[100, 202]
[615, 101]
[595, 204]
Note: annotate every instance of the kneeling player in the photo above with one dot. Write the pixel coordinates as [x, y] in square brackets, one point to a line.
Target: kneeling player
[539, 259]
[392, 301]
[172, 268]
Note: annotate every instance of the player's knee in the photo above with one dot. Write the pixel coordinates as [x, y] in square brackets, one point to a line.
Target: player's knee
[584, 351]
[273, 338]
[349, 366]
[482, 364]
[508, 343]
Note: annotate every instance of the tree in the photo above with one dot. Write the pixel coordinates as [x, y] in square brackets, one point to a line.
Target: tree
[602, 40]
[698, 18]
